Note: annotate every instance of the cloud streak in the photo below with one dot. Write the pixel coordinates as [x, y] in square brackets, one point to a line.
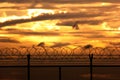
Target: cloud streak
[59, 1]
[91, 22]
[49, 17]
[60, 44]
[7, 40]
[34, 33]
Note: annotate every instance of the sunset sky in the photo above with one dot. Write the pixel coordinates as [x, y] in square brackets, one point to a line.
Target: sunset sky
[30, 22]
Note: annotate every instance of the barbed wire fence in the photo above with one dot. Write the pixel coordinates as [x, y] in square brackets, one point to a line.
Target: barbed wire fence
[61, 55]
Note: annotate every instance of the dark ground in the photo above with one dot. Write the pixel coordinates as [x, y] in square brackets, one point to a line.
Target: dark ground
[68, 73]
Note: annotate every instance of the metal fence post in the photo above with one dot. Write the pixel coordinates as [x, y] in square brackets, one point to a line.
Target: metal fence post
[60, 73]
[91, 66]
[28, 66]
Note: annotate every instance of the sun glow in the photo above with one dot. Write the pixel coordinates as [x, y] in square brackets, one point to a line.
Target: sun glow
[13, 17]
[105, 26]
[37, 12]
[105, 4]
[35, 26]
[29, 13]
[45, 25]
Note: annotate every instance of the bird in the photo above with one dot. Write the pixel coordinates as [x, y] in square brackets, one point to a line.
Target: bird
[88, 46]
[41, 44]
[75, 26]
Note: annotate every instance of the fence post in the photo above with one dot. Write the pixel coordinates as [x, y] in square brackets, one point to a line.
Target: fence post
[60, 73]
[28, 66]
[91, 66]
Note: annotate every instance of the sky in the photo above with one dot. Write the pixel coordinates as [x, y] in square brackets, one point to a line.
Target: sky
[24, 23]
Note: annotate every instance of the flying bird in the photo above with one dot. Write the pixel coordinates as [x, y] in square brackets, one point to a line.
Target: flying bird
[75, 26]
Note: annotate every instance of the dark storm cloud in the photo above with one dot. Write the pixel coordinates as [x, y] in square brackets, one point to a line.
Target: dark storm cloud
[8, 40]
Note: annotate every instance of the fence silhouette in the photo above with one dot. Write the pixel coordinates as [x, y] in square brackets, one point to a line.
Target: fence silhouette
[60, 57]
